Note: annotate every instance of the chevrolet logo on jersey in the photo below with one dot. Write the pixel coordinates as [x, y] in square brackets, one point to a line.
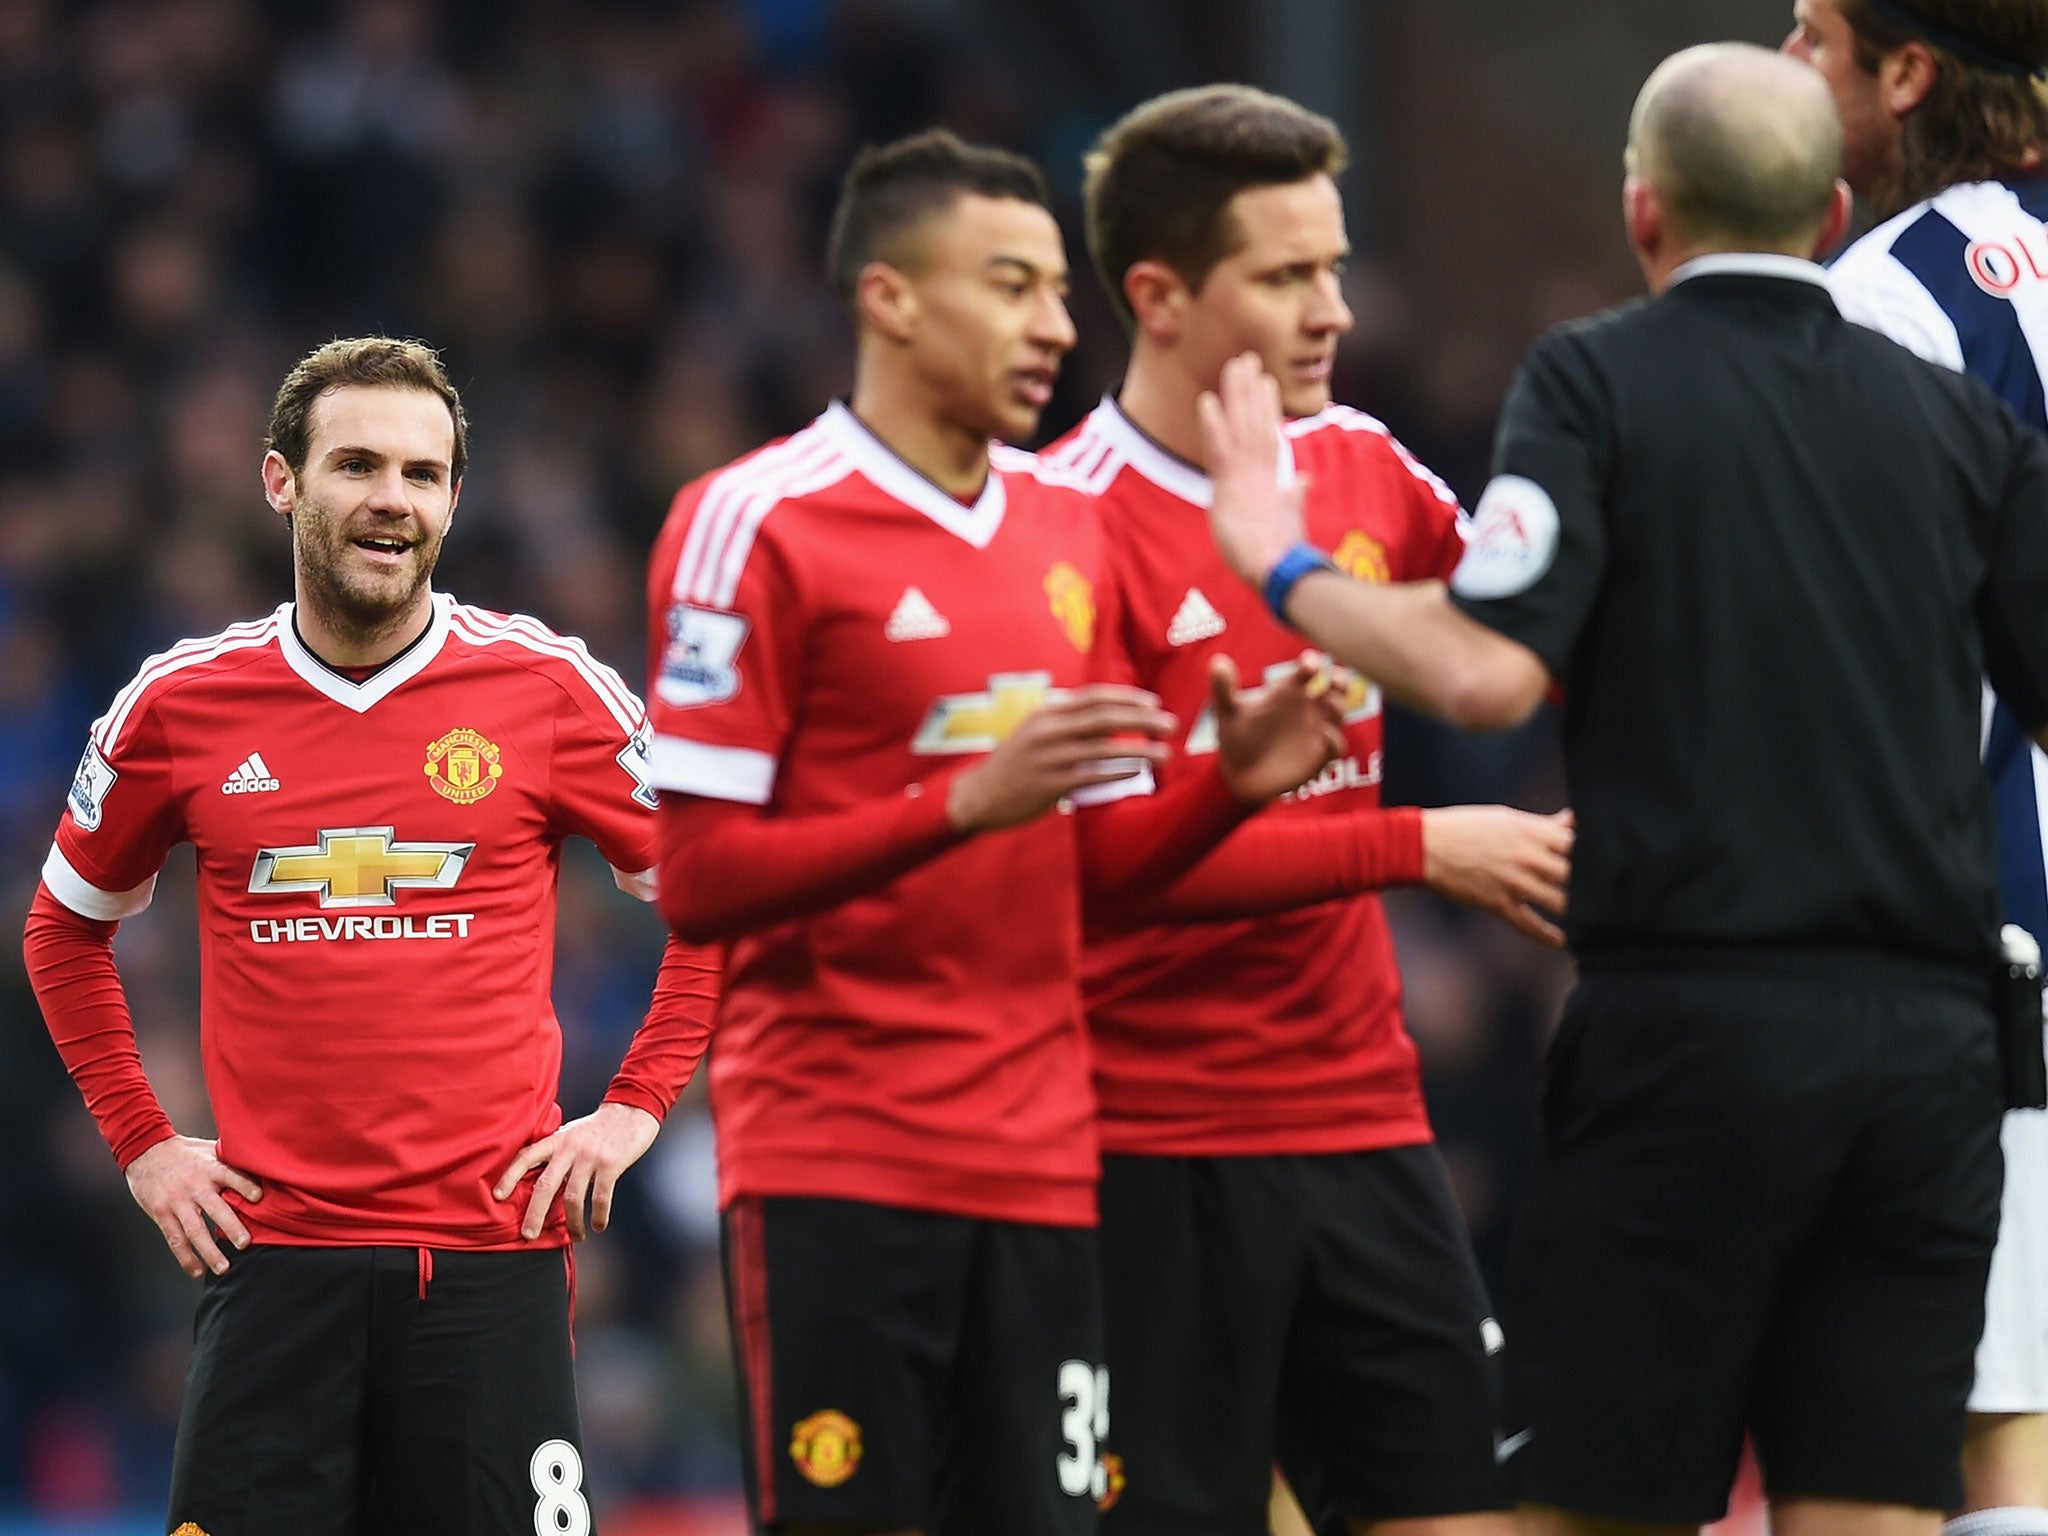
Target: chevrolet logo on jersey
[359, 867]
[979, 722]
[1361, 702]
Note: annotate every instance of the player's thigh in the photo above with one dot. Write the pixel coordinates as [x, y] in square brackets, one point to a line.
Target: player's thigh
[1390, 1406]
[1695, 1122]
[2012, 1358]
[1201, 1259]
[269, 1433]
[1865, 1377]
[473, 1410]
[1030, 1402]
[846, 1324]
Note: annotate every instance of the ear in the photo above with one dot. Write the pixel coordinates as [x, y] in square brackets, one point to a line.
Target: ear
[280, 486]
[1840, 207]
[887, 301]
[1904, 78]
[1159, 299]
[1642, 215]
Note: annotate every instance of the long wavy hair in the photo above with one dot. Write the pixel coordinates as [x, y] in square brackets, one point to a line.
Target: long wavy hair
[1975, 124]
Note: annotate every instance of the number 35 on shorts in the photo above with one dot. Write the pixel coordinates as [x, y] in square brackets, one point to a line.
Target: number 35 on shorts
[1084, 1425]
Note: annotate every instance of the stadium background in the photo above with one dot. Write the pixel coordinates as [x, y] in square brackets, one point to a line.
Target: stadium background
[609, 217]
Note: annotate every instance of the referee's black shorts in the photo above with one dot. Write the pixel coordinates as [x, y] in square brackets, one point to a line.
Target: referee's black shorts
[341, 1390]
[1768, 1203]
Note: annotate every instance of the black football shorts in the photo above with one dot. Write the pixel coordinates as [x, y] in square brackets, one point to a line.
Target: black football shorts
[1766, 1204]
[1319, 1312]
[339, 1390]
[907, 1369]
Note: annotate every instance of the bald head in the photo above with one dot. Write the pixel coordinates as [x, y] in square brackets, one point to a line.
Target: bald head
[1742, 147]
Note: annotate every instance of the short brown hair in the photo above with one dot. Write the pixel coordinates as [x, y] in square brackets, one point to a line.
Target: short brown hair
[1160, 179]
[1975, 124]
[376, 362]
[890, 189]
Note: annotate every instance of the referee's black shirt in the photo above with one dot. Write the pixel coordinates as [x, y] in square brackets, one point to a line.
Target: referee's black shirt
[1771, 556]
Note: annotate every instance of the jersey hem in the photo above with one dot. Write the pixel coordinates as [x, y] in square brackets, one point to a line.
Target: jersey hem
[368, 1235]
[1354, 1132]
[949, 1192]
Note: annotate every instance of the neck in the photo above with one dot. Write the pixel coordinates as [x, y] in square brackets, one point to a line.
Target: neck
[1160, 402]
[952, 457]
[1659, 265]
[342, 641]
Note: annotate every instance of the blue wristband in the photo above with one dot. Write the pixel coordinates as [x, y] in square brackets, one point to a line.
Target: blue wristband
[1288, 570]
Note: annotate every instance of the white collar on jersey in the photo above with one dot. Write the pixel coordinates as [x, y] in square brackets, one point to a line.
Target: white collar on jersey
[1168, 471]
[380, 684]
[892, 474]
[1750, 264]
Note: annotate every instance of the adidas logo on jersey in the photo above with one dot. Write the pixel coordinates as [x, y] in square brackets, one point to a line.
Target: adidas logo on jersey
[1196, 619]
[252, 778]
[914, 618]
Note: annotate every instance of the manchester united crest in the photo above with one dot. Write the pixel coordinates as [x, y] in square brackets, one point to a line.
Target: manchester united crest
[1362, 556]
[1111, 1482]
[826, 1448]
[463, 767]
[1073, 604]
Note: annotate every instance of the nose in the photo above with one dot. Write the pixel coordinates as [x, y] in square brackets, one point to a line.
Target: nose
[1794, 47]
[1330, 312]
[387, 492]
[1052, 326]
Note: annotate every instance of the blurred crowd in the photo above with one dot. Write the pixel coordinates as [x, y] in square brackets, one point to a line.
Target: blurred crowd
[609, 218]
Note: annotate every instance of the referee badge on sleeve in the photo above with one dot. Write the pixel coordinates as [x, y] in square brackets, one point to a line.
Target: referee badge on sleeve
[1512, 543]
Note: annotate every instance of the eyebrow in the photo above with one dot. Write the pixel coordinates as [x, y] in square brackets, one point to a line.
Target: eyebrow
[352, 451]
[1028, 268]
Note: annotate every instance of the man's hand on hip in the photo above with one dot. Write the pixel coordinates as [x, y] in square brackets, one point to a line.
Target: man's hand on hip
[179, 1182]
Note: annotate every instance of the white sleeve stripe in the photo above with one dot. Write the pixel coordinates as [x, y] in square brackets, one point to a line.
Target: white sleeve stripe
[610, 688]
[727, 498]
[644, 886]
[707, 521]
[717, 773]
[833, 470]
[87, 899]
[106, 730]
[1350, 419]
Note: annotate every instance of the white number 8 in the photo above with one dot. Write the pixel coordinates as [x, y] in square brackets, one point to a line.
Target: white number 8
[1084, 1390]
[556, 1472]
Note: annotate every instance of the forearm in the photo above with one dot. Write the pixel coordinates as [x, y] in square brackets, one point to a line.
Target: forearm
[1133, 849]
[70, 961]
[1423, 652]
[1276, 864]
[671, 1040]
[726, 870]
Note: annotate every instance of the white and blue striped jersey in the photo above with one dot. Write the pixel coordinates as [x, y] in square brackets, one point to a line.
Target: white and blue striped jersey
[1962, 279]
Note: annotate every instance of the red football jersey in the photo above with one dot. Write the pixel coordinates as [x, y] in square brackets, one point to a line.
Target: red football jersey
[1277, 1034]
[830, 627]
[377, 867]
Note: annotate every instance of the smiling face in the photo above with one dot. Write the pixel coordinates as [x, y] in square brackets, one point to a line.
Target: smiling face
[370, 507]
[989, 285]
[1279, 292]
